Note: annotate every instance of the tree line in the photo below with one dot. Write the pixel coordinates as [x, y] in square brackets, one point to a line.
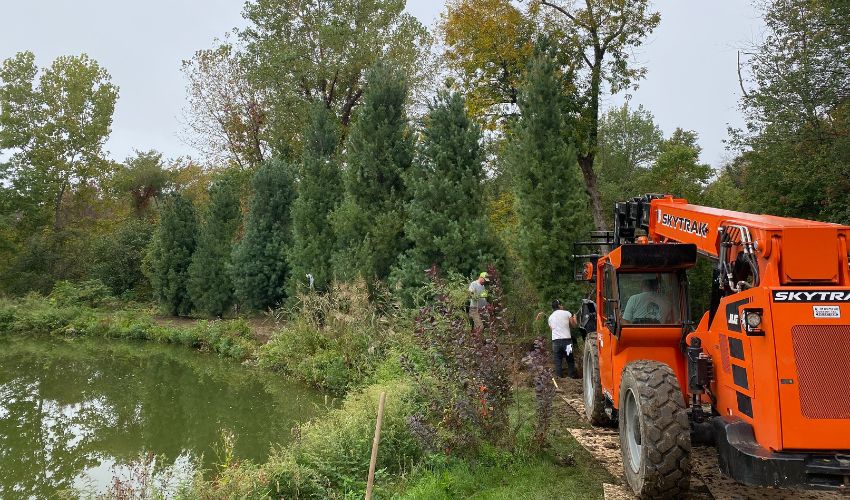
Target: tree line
[335, 142]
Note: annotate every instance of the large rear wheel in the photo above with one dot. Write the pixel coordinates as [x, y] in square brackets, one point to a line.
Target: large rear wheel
[594, 399]
[654, 431]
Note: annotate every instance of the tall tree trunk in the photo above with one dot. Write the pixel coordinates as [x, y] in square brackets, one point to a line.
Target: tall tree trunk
[57, 208]
[591, 185]
[587, 158]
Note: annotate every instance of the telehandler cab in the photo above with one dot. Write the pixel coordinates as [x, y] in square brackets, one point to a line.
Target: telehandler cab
[764, 375]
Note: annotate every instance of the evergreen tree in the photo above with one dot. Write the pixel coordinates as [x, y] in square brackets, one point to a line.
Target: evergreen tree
[551, 203]
[446, 222]
[210, 283]
[171, 254]
[260, 267]
[319, 190]
[370, 221]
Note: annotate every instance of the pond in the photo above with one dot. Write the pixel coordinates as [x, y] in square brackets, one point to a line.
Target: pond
[77, 414]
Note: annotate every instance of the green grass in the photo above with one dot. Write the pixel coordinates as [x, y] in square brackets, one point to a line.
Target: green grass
[526, 478]
[35, 315]
[562, 470]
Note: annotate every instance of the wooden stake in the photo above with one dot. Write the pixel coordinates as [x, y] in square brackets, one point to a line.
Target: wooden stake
[371, 481]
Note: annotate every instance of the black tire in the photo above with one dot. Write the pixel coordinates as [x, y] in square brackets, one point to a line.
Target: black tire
[594, 398]
[655, 435]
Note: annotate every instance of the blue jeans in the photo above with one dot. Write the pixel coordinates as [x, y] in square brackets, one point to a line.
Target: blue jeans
[559, 353]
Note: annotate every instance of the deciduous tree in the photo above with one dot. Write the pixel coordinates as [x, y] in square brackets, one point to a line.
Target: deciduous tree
[303, 50]
[799, 73]
[677, 169]
[488, 46]
[226, 114]
[629, 143]
[55, 122]
[144, 178]
[795, 151]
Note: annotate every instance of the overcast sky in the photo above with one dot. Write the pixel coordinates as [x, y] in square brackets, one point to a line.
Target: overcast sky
[691, 83]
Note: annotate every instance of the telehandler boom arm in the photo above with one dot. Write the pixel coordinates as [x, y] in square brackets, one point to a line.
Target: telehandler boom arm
[778, 250]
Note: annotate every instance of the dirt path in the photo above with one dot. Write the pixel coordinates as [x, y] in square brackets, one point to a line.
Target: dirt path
[706, 481]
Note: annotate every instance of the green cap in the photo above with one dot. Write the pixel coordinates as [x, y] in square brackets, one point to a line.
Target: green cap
[485, 276]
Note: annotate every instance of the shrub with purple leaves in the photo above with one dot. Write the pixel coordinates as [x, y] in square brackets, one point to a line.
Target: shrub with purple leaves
[544, 390]
[462, 375]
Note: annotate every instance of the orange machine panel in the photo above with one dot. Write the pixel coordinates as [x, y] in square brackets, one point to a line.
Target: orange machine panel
[746, 384]
[813, 367]
[809, 254]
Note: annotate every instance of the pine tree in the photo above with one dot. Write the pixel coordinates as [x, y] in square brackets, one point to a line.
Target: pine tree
[210, 282]
[446, 223]
[319, 191]
[551, 204]
[369, 223]
[171, 254]
[260, 267]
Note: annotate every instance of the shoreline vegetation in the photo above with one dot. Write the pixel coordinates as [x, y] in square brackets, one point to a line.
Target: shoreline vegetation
[355, 348]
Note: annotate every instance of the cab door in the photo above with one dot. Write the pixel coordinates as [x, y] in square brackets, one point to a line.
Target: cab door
[609, 298]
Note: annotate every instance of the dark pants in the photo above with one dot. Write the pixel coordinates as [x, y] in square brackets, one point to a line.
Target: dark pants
[559, 352]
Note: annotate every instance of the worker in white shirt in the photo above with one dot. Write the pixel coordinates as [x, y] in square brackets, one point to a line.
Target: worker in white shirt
[478, 300]
[560, 321]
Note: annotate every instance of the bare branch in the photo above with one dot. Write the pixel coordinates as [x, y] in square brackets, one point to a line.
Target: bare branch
[330, 94]
[741, 78]
[566, 13]
[593, 24]
[619, 31]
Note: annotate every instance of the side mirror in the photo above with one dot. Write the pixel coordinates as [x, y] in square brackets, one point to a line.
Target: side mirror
[588, 271]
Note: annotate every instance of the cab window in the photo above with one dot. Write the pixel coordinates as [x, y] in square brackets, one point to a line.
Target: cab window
[608, 291]
[650, 298]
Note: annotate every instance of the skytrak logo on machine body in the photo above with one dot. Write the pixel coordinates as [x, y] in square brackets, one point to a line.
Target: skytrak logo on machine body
[684, 224]
[811, 295]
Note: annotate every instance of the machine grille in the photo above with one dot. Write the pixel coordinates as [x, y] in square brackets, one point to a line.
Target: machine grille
[823, 368]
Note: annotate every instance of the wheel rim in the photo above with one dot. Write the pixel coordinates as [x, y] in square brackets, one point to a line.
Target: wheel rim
[632, 421]
[587, 375]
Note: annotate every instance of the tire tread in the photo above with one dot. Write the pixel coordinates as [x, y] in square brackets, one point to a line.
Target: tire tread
[666, 434]
[596, 413]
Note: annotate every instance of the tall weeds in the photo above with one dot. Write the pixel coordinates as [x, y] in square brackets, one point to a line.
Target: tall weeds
[333, 340]
[462, 374]
[544, 391]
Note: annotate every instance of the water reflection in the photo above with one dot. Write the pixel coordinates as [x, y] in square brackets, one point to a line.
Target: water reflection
[73, 410]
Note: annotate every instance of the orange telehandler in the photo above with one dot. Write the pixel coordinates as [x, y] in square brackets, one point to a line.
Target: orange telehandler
[765, 373]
